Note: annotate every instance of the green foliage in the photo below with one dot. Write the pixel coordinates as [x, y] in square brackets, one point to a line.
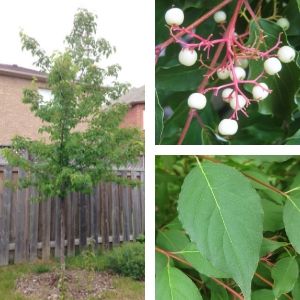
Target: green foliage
[215, 219]
[276, 120]
[39, 269]
[285, 274]
[128, 260]
[173, 284]
[224, 208]
[83, 141]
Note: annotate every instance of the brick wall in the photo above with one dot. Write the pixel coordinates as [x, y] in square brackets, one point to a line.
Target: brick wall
[134, 116]
[16, 117]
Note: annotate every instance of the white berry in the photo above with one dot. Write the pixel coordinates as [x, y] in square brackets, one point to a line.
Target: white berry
[272, 65]
[242, 62]
[228, 127]
[240, 100]
[227, 94]
[223, 73]
[187, 57]
[220, 16]
[174, 16]
[239, 72]
[286, 54]
[197, 101]
[283, 23]
[260, 93]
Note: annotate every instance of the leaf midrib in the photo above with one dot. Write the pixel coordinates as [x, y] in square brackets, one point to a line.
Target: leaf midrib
[216, 201]
[169, 278]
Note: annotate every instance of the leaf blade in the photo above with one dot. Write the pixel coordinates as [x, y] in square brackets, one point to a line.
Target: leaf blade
[216, 234]
[173, 284]
[285, 274]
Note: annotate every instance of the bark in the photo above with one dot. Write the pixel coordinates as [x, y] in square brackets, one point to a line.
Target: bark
[62, 232]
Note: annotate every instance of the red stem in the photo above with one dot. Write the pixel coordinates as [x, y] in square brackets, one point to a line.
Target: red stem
[171, 40]
[219, 282]
[186, 125]
[209, 73]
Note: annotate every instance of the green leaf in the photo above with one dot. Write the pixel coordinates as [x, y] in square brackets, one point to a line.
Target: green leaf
[172, 240]
[280, 102]
[159, 120]
[269, 246]
[296, 290]
[285, 274]
[298, 2]
[291, 215]
[173, 284]
[272, 216]
[294, 139]
[257, 175]
[191, 254]
[217, 292]
[263, 295]
[161, 262]
[179, 78]
[224, 221]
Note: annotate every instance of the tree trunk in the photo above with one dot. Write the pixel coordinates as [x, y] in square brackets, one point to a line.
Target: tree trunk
[62, 234]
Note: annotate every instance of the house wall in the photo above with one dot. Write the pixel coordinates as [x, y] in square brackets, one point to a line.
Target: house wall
[16, 117]
[134, 116]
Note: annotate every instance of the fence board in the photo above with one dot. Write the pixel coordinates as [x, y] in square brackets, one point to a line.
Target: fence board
[21, 211]
[5, 210]
[126, 213]
[83, 220]
[136, 208]
[33, 225]
[142, 201]
[110, 215]
[46, 227]
[115, 215]
[57, 227]
[70, 225]
[105, 224]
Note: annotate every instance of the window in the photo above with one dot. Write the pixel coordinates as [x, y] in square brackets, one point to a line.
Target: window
[46, 94]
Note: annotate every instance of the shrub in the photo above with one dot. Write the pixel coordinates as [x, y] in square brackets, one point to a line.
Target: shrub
[128, 260]
[39, 269]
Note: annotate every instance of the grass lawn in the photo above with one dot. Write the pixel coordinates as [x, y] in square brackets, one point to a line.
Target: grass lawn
[124, 288]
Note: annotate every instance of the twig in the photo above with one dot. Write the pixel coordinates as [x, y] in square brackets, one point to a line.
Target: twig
[219, 282]
[195, 24]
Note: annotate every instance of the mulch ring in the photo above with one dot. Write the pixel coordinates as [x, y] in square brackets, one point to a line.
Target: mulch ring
[79, 285]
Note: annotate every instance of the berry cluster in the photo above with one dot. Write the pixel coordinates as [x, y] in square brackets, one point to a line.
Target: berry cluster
[232, 66]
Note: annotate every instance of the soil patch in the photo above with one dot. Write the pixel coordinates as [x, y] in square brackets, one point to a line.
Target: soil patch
[79, 285]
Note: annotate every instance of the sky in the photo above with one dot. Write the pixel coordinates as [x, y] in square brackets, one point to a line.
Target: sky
[122, 23]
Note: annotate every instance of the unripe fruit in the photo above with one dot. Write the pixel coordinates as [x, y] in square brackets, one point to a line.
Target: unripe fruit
[259, 93]
[220, 16]
[187, 57]
[239, 72]
[241, 102]
[174, 16]
[197, 101]
[242, 62]
[286, 54]
[223, 73]
[283, 23]
[227, 94]
[228, 127]
[272, 65]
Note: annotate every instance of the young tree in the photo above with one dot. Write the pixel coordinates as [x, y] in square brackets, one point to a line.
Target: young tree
[82, 138]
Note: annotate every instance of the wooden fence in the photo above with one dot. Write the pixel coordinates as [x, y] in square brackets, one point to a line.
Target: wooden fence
[110, 215]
